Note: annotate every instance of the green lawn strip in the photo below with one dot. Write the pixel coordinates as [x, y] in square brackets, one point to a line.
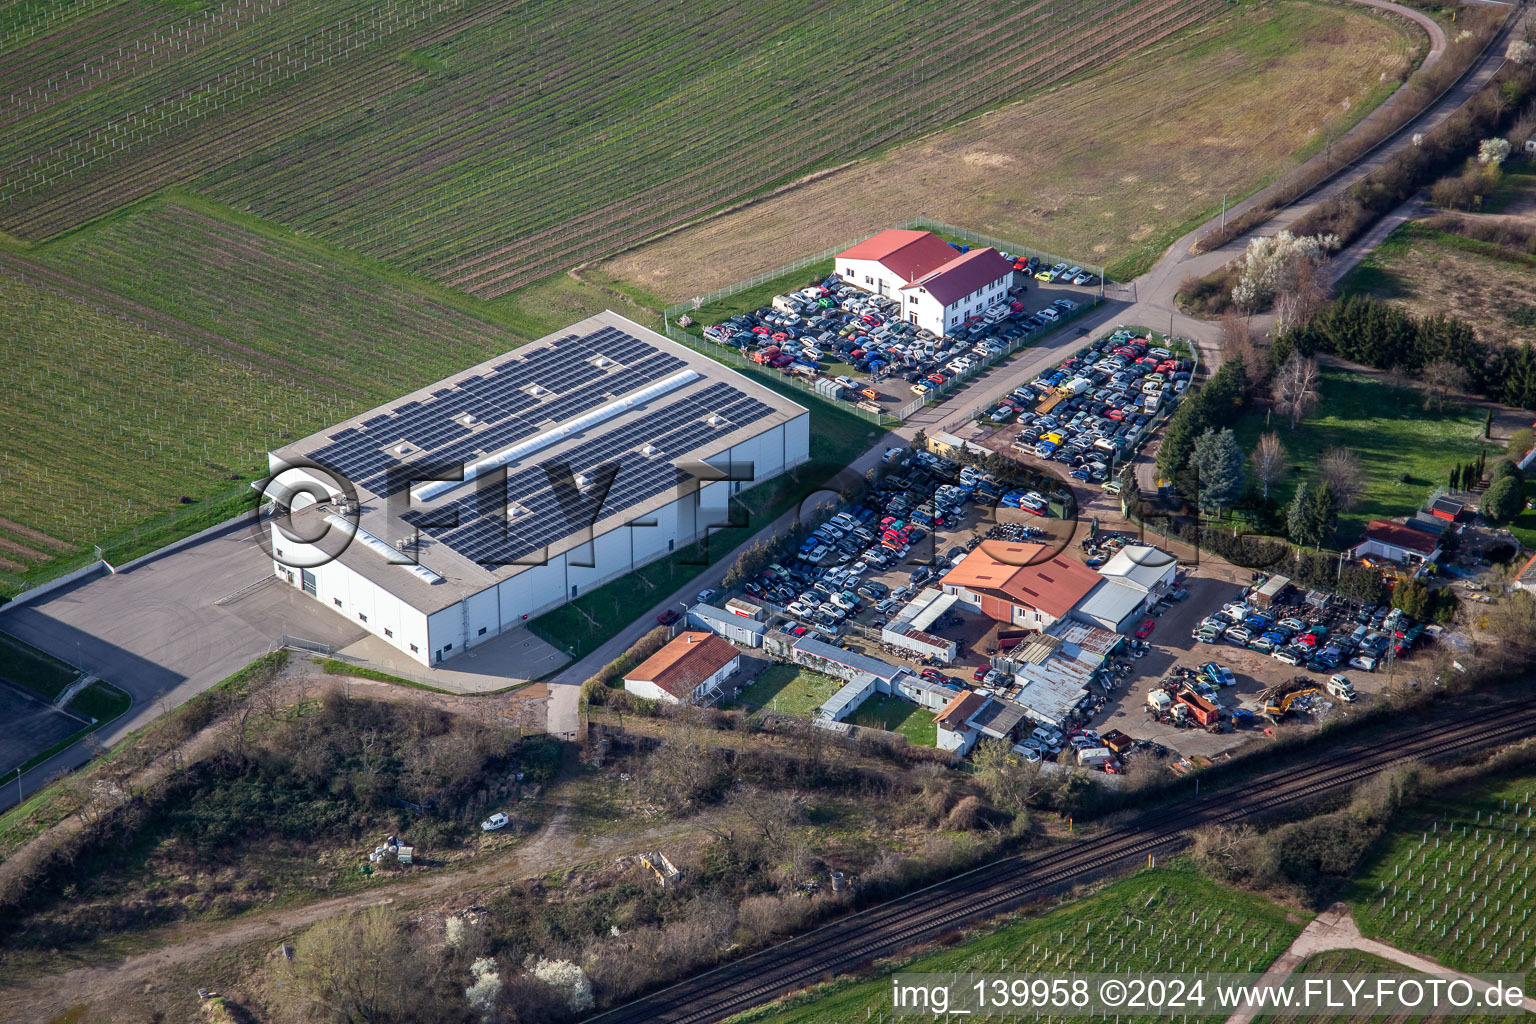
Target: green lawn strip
[1389, 429]
[1523, 526]
[583, 625]
[100, 701]
[26, 666]
[24, 821]
[1154, 912]
[893, 714]
[337, 667]
[790, 689]
[1462, 875]
[1356, 962]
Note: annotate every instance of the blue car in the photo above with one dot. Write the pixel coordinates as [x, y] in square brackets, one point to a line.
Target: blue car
[1257, 623]
[1218, 675]
[1012, 498]
[1277, 638]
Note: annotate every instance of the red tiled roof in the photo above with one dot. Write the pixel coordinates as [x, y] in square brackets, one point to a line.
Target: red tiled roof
[1398, 535]
[908, 254]
[683, 664]
[1054, 585]
[965, 704]
[964, 274]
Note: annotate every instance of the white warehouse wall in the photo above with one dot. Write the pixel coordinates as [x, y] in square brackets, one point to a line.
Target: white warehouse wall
[537, 589]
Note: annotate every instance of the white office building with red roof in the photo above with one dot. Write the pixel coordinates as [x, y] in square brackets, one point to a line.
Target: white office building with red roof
[938, 287]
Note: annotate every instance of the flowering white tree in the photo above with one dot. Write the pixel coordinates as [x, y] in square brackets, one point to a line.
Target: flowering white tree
[1493, 151]
[482, 995]
[1271, 264]
[1521, 52]
[567, 978]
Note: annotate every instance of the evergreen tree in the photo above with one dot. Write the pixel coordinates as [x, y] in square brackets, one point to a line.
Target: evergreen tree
[1503, 500]
[1218, 463]
[1322, 513]
[1519, 388]
[1296, 514]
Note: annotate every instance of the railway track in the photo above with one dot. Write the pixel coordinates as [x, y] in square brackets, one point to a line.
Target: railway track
[889, 928]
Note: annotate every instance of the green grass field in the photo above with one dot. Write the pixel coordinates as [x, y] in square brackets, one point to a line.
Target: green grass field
[1453, 881]
[790, 689]
[1431, 272]
[1353, 961]
[1392, 433]
[893, 714]
[27, 666]
[489, 143]
[1169, 918]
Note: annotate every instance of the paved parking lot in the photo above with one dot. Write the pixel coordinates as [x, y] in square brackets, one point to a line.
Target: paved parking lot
[29, 725]
[172, 626]
[1254, 670]
[855, 345]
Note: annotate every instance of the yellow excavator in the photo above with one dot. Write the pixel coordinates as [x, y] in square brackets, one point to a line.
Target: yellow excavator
[1279, 698]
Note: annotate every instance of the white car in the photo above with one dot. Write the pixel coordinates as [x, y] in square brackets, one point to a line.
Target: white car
[499, 820]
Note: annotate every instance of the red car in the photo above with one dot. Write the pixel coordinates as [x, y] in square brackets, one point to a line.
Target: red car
[1145, 629]
[933, 675]
[980, 673]
[668, 617]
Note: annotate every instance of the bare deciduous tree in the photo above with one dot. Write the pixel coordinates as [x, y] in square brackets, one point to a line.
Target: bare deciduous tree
[1294, 388]
[1269, 461]
[773, 812]
[1238, 342]
[1441, 377]
[1340, 467]
[1010, 785]
[1307, 292]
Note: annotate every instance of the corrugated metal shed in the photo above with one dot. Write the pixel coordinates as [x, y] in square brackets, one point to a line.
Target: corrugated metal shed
[747, 632]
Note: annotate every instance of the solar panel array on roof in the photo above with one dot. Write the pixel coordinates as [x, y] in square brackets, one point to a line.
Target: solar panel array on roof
[672, 430]
[554, 382]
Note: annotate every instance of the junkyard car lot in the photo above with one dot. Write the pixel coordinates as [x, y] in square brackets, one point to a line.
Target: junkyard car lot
[821, 330]
[1093, 408]
[1253, 670]
[864, 562]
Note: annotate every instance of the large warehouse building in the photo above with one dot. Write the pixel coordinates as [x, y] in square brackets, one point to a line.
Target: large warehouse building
[575, 453]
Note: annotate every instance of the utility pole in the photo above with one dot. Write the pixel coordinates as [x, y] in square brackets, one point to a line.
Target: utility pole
[1224, 211]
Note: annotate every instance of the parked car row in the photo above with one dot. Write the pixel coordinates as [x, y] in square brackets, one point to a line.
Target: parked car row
[1096, 405]
[800, 332]
[827, 581]
[1318, 643]
[1060, 273]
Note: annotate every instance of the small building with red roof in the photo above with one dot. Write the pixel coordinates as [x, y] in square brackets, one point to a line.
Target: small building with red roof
[686, 671]
[938, 286]
[1397, 542]
[1021, 584]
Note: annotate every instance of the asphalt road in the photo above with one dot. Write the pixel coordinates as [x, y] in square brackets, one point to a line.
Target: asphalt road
[169, 628]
